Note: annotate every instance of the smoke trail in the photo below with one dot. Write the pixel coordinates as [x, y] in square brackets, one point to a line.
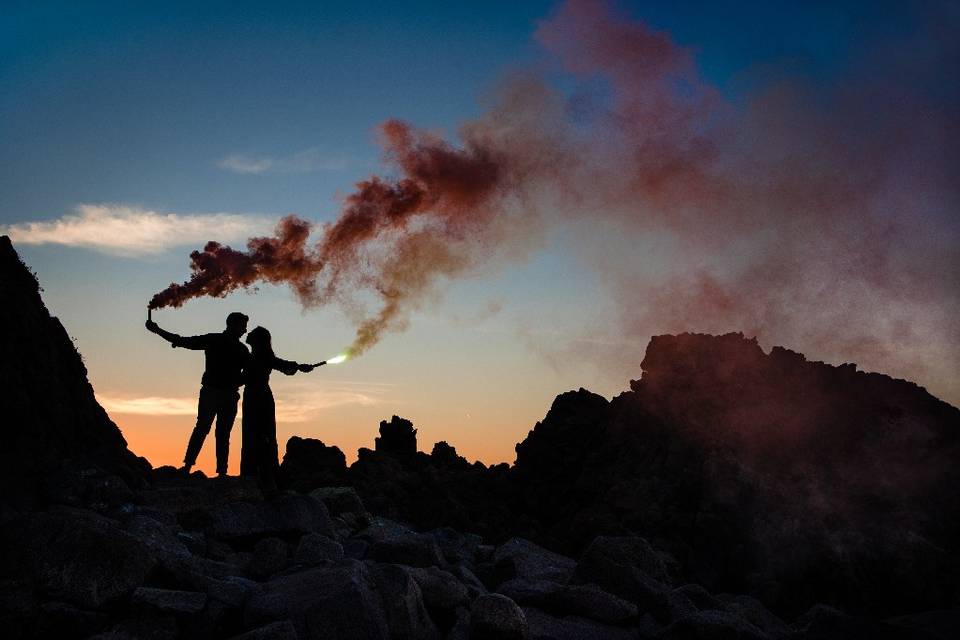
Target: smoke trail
[450, 189]
[823, 217]
[219, 270]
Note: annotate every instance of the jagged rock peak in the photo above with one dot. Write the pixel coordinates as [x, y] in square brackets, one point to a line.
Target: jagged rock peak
[396, 436]
[52, 425]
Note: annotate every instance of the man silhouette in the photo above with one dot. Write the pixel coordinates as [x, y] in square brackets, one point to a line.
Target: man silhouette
[226, 357]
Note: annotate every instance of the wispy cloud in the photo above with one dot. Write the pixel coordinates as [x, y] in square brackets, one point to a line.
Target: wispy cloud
[306, 161]
[297, 404]
[149, 406]
[132, 231]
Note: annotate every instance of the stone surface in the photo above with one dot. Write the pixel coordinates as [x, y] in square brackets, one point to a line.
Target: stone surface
[335, 601]
[753, 611]
[75, 556]
[587, 600]
[283, 630]
[496, 617]
[285, 515]
[340, 500]
[456, 546]
[316, 548]
[407, 616]
[168, 600]
[440, 589]
[415, 550]
[710, 625]
[519, 558]
[544, 626]
[270, 556]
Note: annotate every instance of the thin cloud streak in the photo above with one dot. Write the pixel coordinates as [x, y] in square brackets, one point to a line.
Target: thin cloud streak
[149, 406]
[133, 231]
[294, 406]
[307, 161]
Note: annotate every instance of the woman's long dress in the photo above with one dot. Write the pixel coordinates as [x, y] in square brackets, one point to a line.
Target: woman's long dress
[258, 450]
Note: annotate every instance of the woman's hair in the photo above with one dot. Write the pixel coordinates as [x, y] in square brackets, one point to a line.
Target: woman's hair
[259, 341]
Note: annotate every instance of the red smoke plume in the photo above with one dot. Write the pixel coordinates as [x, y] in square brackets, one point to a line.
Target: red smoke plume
[823, 217]
[450, 188]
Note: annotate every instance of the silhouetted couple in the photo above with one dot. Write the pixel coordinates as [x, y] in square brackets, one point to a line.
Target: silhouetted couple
[229, 365]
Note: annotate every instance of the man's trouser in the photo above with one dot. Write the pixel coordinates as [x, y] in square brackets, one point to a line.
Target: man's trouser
[222, 405]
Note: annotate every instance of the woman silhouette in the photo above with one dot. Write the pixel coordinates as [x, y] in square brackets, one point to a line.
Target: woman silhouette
[258, 451]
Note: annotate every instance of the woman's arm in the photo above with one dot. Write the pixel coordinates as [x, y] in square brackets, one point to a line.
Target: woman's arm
[290, 367]
[285, 366]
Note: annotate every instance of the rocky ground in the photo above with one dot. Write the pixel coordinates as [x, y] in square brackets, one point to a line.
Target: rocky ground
[210, 558]
[731, 493]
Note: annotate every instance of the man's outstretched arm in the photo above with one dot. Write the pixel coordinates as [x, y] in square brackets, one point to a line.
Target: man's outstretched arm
[187, 342]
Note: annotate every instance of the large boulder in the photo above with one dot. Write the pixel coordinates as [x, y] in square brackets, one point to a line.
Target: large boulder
[74, 556]
[335, 601]
[169, 600]
[403, 602]
[544, 626]
[283, 630]
[623, 551]
[496, 617]
[309, 463]
[285, 515]
[440, 589]
[712, 625]
[415, 550]
[340, 500]
[316, 548]
[519, 558]
[586, 600]
[270, 556]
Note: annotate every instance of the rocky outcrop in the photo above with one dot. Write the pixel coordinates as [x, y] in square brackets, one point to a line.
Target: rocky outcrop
[397, 437]
[749, 472]
[760, 473]
[59, 444]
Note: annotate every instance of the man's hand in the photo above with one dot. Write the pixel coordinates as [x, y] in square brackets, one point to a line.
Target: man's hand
[305, 368]
[152, 326]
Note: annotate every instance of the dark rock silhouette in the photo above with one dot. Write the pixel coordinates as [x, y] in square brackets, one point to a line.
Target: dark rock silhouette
[59, 444]
[397, 437]
[308, 463]
[757, 473]
[729, 494]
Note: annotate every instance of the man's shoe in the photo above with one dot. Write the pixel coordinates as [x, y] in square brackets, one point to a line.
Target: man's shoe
[185, 469]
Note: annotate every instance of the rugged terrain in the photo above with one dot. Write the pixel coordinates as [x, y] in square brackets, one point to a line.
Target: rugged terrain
[730, 493]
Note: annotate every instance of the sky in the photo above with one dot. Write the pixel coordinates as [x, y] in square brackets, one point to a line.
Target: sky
[135, 132]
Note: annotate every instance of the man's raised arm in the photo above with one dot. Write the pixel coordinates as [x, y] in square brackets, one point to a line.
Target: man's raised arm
[187, 342]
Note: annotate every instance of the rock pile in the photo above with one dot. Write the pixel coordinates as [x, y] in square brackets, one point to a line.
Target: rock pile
[210, 558]
[796, 482]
